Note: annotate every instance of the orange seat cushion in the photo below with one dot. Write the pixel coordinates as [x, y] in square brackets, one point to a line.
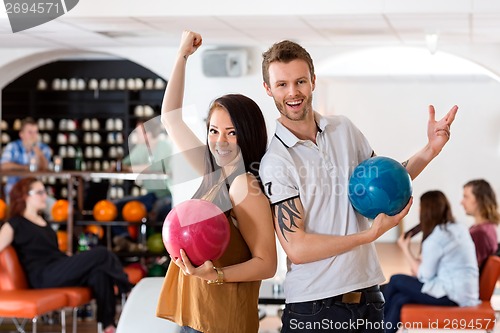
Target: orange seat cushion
[135, 274]
[76, 295]
[480, 317]
[30, 303]
[12, 276]
[446, 317]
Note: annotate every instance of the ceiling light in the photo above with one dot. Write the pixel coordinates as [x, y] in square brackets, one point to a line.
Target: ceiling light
[399, 61]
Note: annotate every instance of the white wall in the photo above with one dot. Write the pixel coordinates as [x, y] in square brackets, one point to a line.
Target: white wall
[392, 113]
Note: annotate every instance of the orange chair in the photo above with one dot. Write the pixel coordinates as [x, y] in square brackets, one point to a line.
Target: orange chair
[134, 274]
[480, 317]
[13, 280]
[31, 303]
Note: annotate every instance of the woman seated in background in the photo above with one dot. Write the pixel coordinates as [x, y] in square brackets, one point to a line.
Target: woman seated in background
[46, 267]
[479, 201]
[446, 272]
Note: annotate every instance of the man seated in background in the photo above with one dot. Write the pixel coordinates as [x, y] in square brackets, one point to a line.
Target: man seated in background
[25, 154]
[149, 149]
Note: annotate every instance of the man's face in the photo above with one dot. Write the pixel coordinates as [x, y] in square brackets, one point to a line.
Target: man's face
[291, 86]
[29, 135]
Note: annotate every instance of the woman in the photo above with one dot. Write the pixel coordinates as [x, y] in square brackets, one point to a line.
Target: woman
[36, 245]
[479, 201]
[236, 142]
[445, 274]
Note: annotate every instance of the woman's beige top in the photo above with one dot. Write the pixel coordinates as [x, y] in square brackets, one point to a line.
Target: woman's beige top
[227, 308]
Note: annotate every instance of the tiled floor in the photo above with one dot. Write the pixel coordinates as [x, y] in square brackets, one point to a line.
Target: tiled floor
[390, 257]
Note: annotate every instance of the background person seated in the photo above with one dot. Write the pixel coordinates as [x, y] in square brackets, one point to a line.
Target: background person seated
[445, 274]
[149, 149]
[46, 266]
[19, 154]
[479, 201]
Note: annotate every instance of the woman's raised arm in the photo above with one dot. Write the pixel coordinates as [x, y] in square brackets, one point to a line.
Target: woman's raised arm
[171, 110]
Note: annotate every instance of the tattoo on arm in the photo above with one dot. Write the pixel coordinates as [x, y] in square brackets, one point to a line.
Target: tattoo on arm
[286, 212]
[405, 163]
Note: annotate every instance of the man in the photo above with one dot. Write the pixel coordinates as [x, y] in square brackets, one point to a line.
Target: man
[19, 154]
[333, 272]
[149, 153]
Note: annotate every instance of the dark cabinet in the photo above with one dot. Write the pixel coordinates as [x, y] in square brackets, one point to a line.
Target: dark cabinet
[84, 109]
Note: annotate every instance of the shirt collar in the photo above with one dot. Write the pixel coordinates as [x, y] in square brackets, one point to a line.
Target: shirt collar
[288, 139]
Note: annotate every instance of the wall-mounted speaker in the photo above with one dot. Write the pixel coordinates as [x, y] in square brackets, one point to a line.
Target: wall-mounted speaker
[225, 62]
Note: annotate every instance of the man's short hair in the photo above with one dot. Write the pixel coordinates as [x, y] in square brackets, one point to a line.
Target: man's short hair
[285, 51]
[27, 121]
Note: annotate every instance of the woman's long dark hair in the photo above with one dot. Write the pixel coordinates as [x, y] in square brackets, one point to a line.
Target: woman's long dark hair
[18, 196]
[434, 210]
[251, 134]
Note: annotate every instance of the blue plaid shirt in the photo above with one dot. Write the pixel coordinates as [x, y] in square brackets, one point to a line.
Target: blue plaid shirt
[14, 152]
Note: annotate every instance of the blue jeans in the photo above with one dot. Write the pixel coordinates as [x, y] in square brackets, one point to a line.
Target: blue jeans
[330, 315]
[187, 329]
[404, 289]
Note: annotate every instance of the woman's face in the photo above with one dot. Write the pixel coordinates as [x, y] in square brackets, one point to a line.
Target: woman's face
[37, 197]
[469, 201]
[222, 139]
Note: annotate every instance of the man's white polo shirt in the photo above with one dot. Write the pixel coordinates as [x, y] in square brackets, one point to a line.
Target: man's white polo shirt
[319, 175]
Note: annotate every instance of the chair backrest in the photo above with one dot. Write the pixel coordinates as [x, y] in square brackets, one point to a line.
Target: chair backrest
[12, 275]
[489, 277]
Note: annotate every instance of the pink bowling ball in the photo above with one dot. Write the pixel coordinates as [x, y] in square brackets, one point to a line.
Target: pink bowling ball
[198, 227]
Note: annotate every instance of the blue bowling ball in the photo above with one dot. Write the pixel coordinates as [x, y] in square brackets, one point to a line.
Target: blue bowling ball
[379, 185]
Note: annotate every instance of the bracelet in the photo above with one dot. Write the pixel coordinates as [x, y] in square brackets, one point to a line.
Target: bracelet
[220, 276]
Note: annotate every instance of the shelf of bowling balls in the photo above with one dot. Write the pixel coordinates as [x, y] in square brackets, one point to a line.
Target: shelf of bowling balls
[139, 251]
[144, 246]
[128, 250]
[86, 175]
[72, 177]
[61, 175]
[140, 254]
[118, 175]
[117, 223]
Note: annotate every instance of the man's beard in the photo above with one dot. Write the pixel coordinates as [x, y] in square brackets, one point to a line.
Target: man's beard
[294, 116]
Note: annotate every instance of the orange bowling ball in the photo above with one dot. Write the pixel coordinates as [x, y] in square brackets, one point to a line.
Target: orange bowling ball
[96, 230]
[3, 209]
[134, 211]
[62, 240]
[60, 210]
[105, 211]
[133, 231]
